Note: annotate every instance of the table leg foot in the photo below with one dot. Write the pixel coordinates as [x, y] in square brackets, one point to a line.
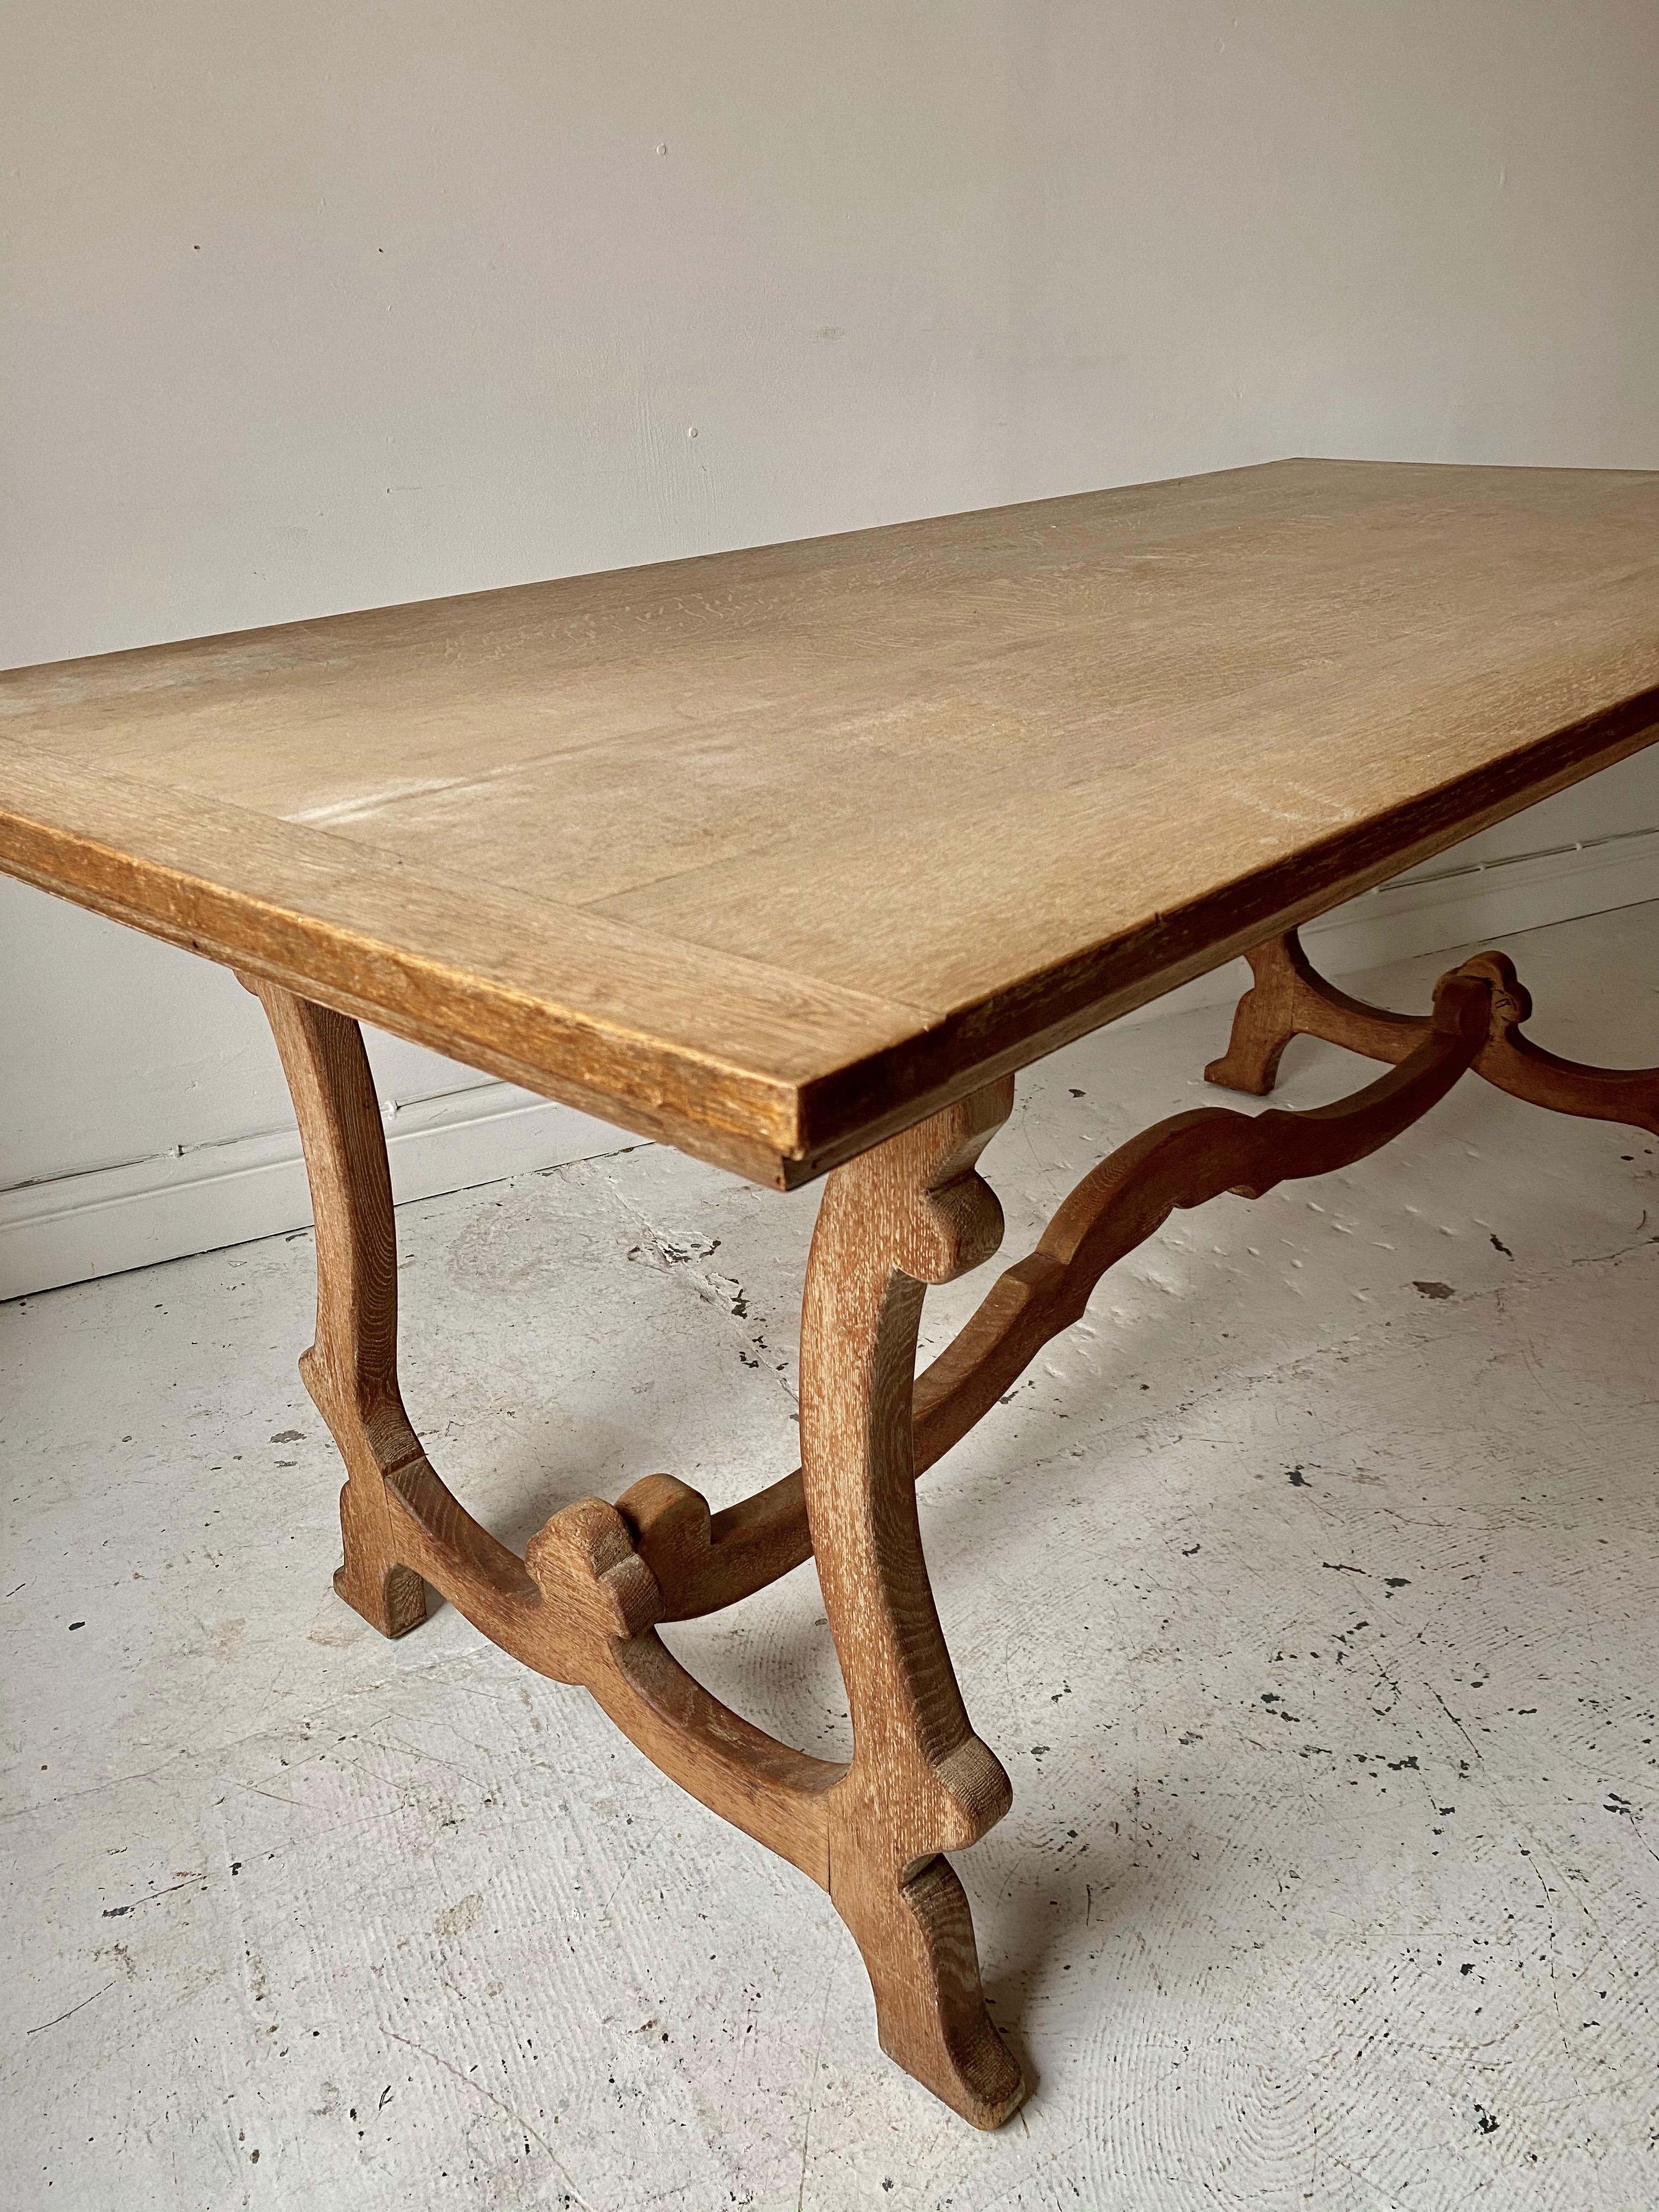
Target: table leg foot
[390, 1597]
[916, 1938]
[1260, 1031]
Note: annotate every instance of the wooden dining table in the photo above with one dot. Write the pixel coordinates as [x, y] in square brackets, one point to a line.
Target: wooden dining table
[793, 857]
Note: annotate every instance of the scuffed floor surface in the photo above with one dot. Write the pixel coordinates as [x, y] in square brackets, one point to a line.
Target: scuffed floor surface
[1307, 1589]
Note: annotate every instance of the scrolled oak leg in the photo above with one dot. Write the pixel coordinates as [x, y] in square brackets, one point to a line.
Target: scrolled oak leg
[1287, 997]
[1290, 998]
[581, 1606]
[910, 1213]
[351, 1368]
[1263, 1024]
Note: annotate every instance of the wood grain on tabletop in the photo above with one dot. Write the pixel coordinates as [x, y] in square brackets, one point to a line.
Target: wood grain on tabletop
[768, 852]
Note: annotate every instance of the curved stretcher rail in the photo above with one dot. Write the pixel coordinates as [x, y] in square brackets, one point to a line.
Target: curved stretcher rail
[703, 1562]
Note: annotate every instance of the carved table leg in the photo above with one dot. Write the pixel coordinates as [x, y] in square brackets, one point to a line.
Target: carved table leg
[1276, 1008]
[1290, 998]
[581, 1606]
[351, 1368]
[912, 1212]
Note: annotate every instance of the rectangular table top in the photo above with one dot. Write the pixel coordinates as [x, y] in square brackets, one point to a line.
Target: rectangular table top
[768, 852]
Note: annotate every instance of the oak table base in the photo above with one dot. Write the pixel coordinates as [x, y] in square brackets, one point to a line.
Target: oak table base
[584, 1604]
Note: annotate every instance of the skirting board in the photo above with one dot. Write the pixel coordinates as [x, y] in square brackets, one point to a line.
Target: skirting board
[112, 1218]
[102, 1222]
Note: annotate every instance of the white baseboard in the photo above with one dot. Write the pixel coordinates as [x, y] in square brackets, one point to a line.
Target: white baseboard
[77, 1226]
[74, 1227]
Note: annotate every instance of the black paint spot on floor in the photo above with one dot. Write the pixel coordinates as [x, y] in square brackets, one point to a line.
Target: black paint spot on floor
[1486, 2122]
[1295, 1477]
[1499, 1245]
[1435, 1289]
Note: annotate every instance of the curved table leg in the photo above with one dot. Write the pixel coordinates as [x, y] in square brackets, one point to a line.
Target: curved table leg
[351, 1368]
[581, 1606]
[910, 1213]
[1290, 998]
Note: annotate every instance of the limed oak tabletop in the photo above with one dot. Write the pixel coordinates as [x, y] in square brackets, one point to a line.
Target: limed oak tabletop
[770, 853]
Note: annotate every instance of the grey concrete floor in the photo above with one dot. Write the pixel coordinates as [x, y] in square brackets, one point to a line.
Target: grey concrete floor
[1306, 1589]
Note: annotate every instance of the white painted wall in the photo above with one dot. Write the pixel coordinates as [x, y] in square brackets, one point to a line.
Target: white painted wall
[327, 306]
